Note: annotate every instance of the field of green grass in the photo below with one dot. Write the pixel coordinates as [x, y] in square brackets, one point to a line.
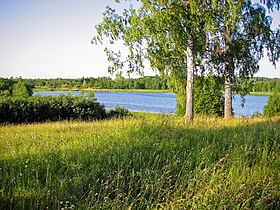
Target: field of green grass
[141, 162]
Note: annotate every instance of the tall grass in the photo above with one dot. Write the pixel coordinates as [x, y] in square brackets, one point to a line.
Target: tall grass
[142, 162]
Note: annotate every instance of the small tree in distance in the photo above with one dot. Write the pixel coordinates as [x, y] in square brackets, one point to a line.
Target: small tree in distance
[19, 89]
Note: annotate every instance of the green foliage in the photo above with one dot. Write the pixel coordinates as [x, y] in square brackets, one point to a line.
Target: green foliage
[146, 162]
[118, 112]
[158, 31]
[22, 90]
[17, 88]
[146, 82]
[16, 105]
[230, 36]
[240, 33]
[6, 86]
[49, 108]
[273, 106]
[208, 97]
[268, 86]
[244, 33]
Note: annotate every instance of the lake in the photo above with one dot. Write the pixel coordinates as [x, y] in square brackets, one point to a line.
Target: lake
[163, 102]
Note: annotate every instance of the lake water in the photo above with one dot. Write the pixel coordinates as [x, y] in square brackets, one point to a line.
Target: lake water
[163, 102]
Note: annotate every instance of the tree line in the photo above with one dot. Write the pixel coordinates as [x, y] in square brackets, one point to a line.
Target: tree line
[256, 84]
[120, 82]
[264, 85]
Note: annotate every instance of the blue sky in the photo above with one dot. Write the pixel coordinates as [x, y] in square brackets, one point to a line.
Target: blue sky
[51, 39]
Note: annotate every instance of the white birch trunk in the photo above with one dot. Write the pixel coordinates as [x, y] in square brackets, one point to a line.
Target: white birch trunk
[190, 80]
[228, 97]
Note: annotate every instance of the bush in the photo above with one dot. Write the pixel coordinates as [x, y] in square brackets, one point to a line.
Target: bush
[17, 88]
[208, 97]
[20, 89]
[273, 105]
[50, 108]
[119, 112]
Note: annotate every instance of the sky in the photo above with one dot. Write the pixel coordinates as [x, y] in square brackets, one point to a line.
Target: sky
[51, 39]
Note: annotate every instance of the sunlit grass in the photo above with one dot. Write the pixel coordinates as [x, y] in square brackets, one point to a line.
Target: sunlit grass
[145, 161]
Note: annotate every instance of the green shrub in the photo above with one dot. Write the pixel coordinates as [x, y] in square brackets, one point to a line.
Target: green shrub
[20, 89]
[208, 97]
[118, 112]
[273, 106]
[49, 108]
[17, 88]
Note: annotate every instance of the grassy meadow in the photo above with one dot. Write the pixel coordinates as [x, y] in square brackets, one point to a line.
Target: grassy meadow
[141, 162]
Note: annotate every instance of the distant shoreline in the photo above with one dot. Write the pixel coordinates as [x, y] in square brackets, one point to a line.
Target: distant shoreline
[38, 89]
[261, 93]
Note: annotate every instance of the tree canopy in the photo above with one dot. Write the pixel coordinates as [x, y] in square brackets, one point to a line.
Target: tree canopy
[181, 38]
[238, 41]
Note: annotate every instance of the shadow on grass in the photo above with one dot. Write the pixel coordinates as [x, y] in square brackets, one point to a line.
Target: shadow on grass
[152, 165]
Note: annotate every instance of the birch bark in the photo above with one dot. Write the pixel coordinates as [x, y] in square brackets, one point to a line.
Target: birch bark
[190, 79]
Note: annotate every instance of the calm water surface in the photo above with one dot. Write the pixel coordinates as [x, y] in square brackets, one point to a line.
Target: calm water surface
[163, 102]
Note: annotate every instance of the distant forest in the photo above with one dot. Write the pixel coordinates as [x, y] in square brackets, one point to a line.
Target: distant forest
[262, 84]
[258, 84]
[145, 83]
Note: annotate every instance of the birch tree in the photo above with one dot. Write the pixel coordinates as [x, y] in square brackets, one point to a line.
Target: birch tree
[169, 34]
[177, 36]
[240, 34]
